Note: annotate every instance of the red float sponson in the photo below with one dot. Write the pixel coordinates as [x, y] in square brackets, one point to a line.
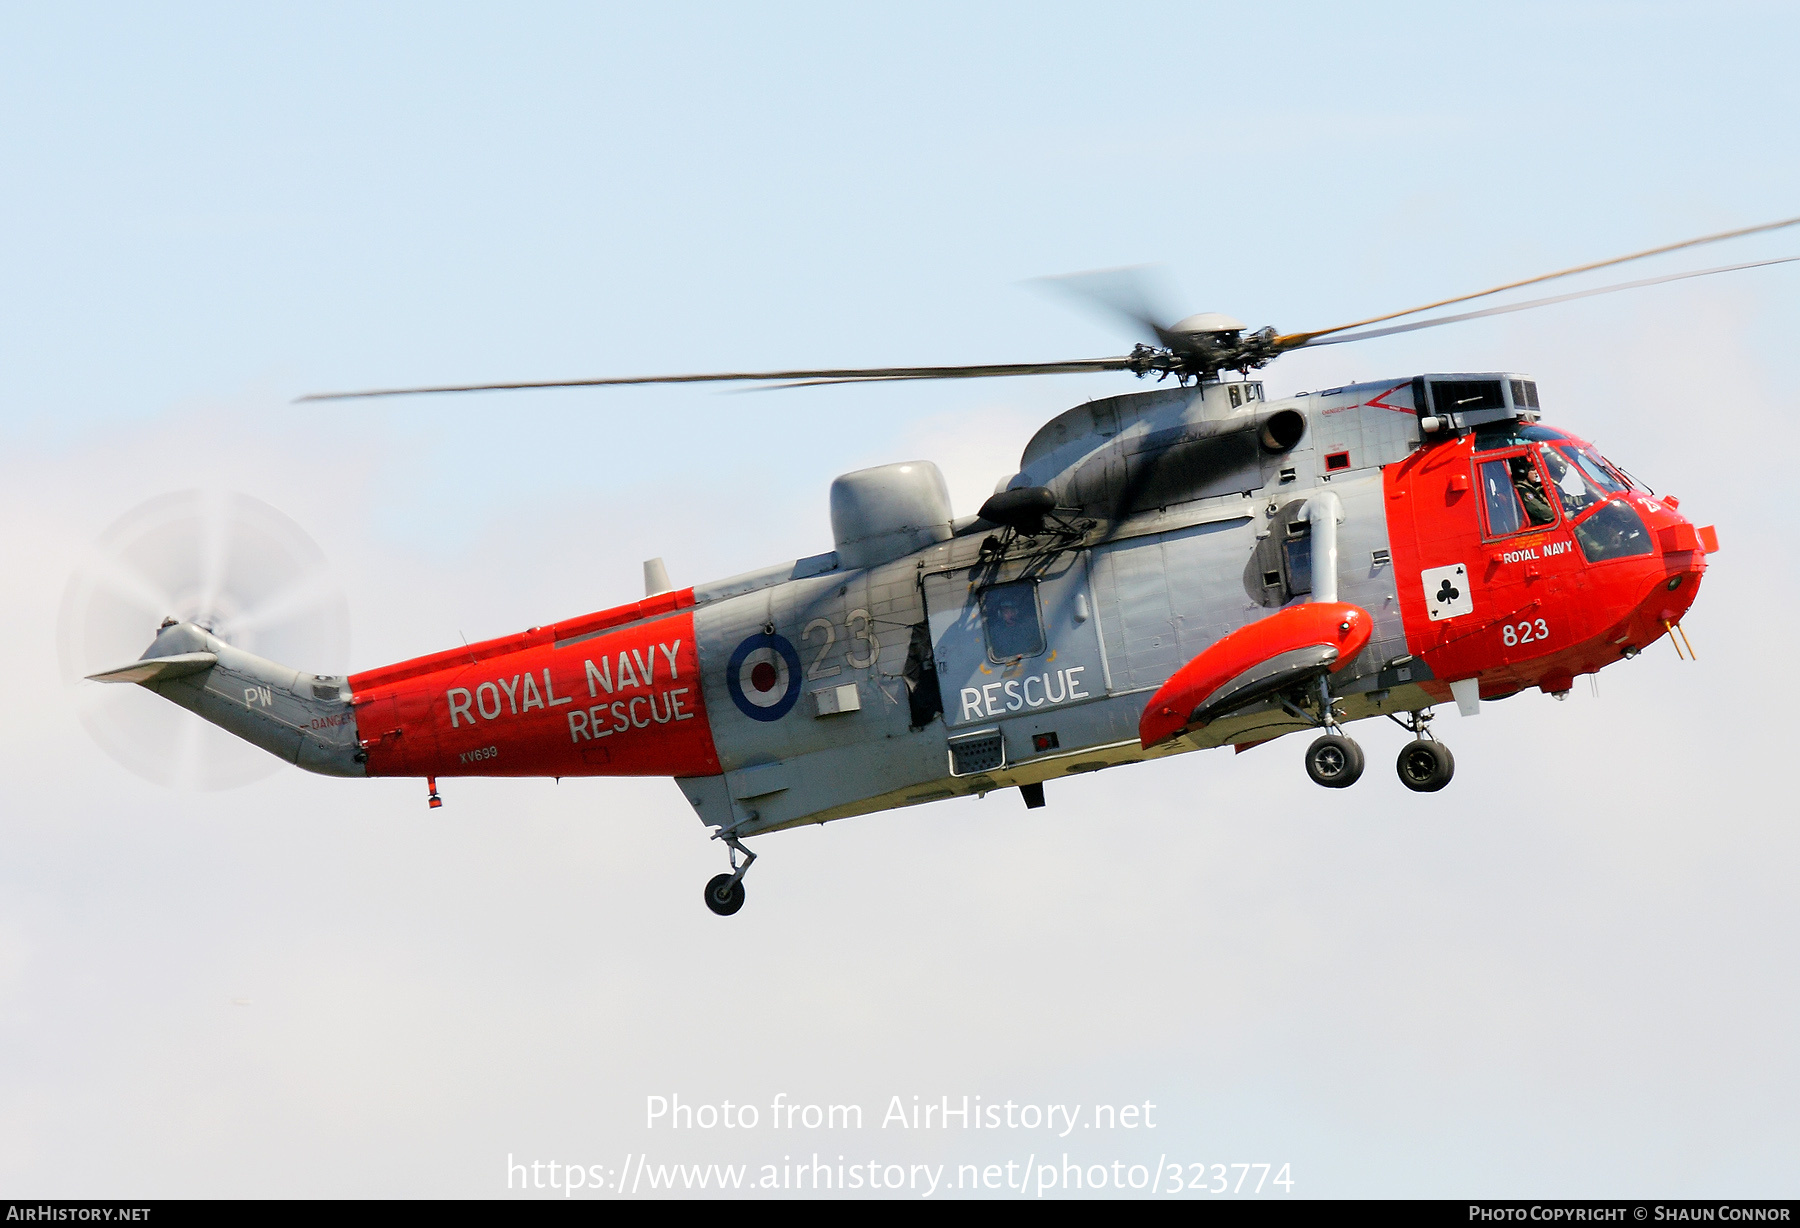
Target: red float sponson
[1283, 649]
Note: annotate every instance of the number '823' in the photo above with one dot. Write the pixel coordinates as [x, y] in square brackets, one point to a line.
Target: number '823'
[1530, 631]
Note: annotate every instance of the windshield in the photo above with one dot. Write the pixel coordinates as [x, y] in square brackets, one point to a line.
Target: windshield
[1591, 465]
[1573, 487]
[1513, 433]
[1600, 473]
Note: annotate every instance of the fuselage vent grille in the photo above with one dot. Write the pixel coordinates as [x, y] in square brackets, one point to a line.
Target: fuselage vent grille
[974, 753]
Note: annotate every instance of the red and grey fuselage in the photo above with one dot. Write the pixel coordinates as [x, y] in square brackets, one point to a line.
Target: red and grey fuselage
[1481, 552]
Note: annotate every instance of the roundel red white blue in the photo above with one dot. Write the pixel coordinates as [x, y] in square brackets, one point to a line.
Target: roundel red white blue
[763, 677]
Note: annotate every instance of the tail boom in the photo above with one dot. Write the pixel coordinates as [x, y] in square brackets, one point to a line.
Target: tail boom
[305, 719]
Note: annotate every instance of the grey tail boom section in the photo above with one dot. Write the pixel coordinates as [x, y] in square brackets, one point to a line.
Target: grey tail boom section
[305, 719]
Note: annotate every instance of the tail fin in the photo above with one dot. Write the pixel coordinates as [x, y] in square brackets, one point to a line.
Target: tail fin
[156, 669]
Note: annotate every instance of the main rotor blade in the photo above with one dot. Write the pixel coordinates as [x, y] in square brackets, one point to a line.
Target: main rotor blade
[998, 370]
[1295, 340]
[1541, 302]
[847, 375]
[1130, 292]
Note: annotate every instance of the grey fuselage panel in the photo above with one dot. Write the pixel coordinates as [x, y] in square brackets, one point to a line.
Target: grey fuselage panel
[1172, 501]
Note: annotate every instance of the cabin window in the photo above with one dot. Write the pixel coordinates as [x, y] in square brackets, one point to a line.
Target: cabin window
[1296, 556]
[1513, 495]
[1009, 613]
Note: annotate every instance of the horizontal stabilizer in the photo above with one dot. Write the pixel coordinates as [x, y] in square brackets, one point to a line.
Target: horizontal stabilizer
[158, 669]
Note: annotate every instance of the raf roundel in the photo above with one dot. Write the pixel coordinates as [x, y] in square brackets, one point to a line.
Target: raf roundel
[763, 677]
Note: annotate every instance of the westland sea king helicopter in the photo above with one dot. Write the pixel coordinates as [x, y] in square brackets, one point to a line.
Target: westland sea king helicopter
[1189, 566]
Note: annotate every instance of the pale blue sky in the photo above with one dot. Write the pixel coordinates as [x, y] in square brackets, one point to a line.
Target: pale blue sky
[1577, 981]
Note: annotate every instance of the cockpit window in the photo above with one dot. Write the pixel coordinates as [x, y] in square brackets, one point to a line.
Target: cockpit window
[1512, 434]
[1613, 532]
[1592, 467]
[1576, 492]
[1503, 512]
[1513, 494]
[1010, 614]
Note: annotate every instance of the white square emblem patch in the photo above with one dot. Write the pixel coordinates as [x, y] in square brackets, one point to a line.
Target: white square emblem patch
[1447, 592]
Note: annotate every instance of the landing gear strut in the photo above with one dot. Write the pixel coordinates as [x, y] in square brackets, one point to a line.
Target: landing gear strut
[725, 892]
[1425, 764]
[1334, 760]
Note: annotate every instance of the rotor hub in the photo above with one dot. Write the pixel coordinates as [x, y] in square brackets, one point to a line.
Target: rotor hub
[1202, 354]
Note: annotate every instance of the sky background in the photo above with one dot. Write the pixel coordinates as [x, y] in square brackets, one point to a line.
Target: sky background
[1571, 973]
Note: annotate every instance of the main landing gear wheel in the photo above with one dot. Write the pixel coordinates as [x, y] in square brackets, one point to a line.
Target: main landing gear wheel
[725, 894]
[1425, 766]
[1334, 761]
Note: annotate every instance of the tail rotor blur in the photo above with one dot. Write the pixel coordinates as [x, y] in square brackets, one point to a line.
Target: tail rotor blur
[225, 561]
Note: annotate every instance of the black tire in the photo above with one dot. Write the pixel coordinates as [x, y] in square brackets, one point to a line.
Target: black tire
[1334, 761]
[1425, 766]
[724, 896]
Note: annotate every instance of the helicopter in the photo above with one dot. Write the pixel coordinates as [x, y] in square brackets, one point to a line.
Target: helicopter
[1189, 566]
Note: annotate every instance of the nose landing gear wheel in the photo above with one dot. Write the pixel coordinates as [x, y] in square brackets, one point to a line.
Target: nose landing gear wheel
[725, 894]
[1425, 766]
[1334, 761]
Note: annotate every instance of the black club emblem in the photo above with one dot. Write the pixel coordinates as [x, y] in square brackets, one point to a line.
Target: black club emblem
[1448, 593]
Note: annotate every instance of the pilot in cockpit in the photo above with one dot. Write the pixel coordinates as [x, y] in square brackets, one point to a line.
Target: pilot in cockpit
[1531, 490]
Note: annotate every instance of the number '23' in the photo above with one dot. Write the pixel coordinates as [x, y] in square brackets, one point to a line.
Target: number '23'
[858, 658]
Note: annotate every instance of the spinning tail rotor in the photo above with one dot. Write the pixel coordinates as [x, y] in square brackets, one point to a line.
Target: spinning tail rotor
[227, 563]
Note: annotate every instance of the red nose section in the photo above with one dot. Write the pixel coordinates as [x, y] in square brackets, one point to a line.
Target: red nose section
[1253, 661]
